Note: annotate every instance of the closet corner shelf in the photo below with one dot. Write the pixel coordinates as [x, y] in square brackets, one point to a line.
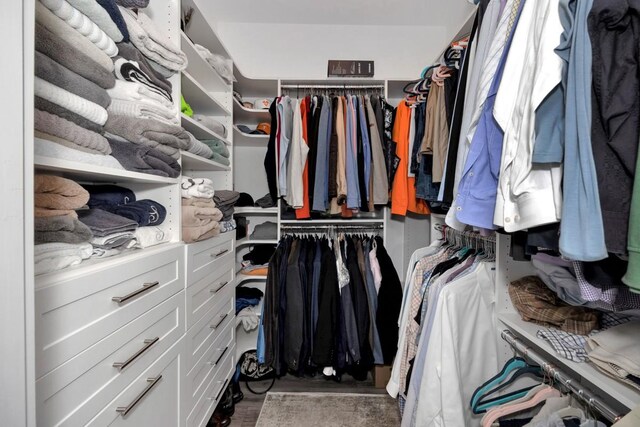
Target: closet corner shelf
[249, 116]
[193, 162]
[199, 131]
[200, 69]
[242, 278]
[247, 241]
[353, 221]
[201, 100]
[250, 140]
[88, 172]
[600, 383]
[249, 210]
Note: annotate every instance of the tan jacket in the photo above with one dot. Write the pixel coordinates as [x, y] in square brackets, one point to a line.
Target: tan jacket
[436, 135]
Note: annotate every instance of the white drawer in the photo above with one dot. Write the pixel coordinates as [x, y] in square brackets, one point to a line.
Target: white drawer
[206, 293]
[152, 399]
[204, 333]
[204, 408]
[73, 315]
[207, 367]
[204, 258]
[74, 392]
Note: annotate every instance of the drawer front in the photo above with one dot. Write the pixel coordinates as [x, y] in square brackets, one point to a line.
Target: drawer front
[209, 365]
[62, 393]
[205, 332]
[205, 258]
[204, 408]
[152, 399]
[73, 315]
[206, 293]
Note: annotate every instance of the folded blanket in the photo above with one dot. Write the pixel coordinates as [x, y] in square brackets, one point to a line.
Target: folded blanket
[82, 24]
[48, 148]
[134, 4]
[226, 226]
[141, 110]
[151, 133]
[144, 212]
[197, 187]
[49, 70]
[116, 240]
[106, 253]
[103, 223]
[74, 103]
[226, 197]
[159, 78]
[72, 37]
[134, 91]
[64, 229]
[151, 42]
[220, 159]
[42, 212]
[211, 123]
[50, 257]
[44, 105]
[55, 192]
[198, 234]
[138, 158]
[218, 147]
[97, 14]
[200, 202]
[128, 71]
[151, 236]
[80, 62]
[114, 13]
[69, 131]
[198, 148]
[193, 216]
[108, 195]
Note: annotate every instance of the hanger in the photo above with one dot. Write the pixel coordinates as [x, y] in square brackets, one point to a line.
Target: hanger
[501, 411]
[484, 405]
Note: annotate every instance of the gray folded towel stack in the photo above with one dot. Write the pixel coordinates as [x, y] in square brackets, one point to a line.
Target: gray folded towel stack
[103, 223]
[63, 229]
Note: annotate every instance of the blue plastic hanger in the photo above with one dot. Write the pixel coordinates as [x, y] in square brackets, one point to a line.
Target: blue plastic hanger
[511, 365]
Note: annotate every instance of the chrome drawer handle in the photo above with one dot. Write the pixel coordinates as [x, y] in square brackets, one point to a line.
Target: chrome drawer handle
[147, 345]
[219, 254]
[124, 410]
[220, 357]
[221, 390]
[127, 297]
[219, 322]
[220, 286]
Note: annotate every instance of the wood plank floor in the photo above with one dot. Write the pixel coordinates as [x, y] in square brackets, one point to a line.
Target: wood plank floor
[248, 409]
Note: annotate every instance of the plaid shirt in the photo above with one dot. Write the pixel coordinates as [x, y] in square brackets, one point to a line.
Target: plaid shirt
[538, 304]
[606, 296]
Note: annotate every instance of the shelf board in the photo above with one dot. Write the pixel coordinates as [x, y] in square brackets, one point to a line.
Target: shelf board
[242, 278]
[193, 162]
[254, 88]
[199, 130]
[354, 221]
[601, 384]
[249, 116]
[249, 140]
[247, 241]
[249, 210]
[200, 100]
[200, 69]
[88, 172]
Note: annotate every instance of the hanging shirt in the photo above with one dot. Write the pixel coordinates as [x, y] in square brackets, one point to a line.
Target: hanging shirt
[412, 137]
[366, 146]
[304, 212]
[285, 112]
[353, 188]
[341, 131]
[296, 161]
[321, 182]
[380, 182]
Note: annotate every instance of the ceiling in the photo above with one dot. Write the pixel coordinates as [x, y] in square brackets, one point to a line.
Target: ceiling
[340, 12]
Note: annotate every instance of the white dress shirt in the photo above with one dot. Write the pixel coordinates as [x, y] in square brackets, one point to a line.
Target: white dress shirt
[297, 159]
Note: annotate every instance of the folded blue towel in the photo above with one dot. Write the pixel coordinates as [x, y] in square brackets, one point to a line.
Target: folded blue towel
[109, 195]
[144, 212]
[103, 223]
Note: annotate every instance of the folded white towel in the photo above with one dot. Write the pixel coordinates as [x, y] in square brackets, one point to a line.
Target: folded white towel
[72, 102]
[45, 148]
[151, 42]
[133, 91]
[100, 16]
[222, 65]
[617, 350]
[142, 110]
[197, 187]
[84, 25]
[50, 257]
[106, 253]
[151, 236]
[109, 239]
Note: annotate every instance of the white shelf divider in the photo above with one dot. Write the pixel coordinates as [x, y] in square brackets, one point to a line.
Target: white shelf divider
[193, 162]
[200, 100]
[249, 140]
[249, 210]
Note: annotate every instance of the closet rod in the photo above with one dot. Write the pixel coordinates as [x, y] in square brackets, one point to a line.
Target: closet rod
[586, 396]
[332, 86]
[333, 227]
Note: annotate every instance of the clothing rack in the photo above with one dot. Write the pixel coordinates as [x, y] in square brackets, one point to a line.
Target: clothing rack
[467, 238]
[330, 229]
[558, 376]
[335, 88]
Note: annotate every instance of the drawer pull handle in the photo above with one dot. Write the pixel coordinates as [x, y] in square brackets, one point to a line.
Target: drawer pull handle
[219, 254]
[124, 410]
[220, 286]
[219, 321]
[147, 345]
[220, 357]
[221, 390]
[145, 287]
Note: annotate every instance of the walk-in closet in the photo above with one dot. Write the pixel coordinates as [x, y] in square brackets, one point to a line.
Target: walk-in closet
[298, 213]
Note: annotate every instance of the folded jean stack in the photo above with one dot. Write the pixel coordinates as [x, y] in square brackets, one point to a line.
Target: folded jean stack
[209, 149]
[60, 239]
[199, 213]
[256, 261]
[225, 201]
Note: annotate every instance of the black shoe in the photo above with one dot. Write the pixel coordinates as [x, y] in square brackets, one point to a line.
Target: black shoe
[237, 394]
[227, 406]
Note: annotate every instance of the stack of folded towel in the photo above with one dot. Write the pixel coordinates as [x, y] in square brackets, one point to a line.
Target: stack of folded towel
[112, 234]
[219, 150]
[61, 240]
[199, 148]
[225, 201]
[211, 123]
[199, 213]
[222, 65]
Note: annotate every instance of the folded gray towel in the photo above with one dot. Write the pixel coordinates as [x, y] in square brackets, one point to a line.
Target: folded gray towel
[220, 159]
[69, 131]
[166, 138]
[103, 223]
[65, 229]
[217, 147]
[49, 70]
[130, 52]
[48, 106]
[72, 57]
[133, 3]
[140, 158]
[198, 148]
[227, 212]
[226, 197]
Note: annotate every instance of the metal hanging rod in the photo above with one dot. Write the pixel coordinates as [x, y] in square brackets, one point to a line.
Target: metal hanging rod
[334, 86]
[557, 375]
[448, 232]
[330, 227]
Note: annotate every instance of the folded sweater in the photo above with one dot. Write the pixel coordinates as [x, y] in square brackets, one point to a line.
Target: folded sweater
[103, 223]
[64, 31]
[82, 24]
[71, 57]
[48, 106]
[139, 158]
[55, 192]
[196, 187]
[64, 229]
[99, 15]
[69, 131]
[74, 103]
